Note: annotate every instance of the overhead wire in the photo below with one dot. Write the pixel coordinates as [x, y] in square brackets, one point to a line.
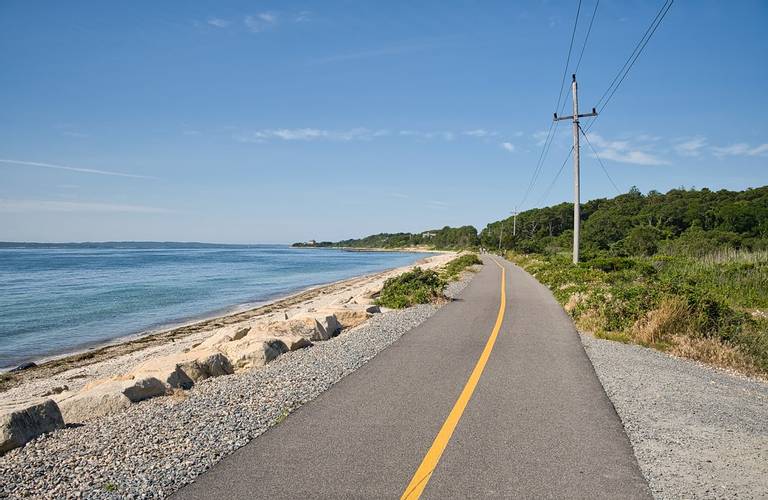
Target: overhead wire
[602, 165]
[553, 126]
[630, 62]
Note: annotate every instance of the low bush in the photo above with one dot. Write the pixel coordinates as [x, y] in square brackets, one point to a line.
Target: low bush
[457, 265]
[414, 287]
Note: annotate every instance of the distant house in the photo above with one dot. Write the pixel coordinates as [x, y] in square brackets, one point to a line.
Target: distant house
[428, 234]
[311, 243]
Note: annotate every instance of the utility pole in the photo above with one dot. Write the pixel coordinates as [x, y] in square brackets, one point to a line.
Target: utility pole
[501, 234]
[576, 174]
[514, 223]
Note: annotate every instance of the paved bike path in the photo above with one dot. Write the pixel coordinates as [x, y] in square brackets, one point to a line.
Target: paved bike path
[537, 422]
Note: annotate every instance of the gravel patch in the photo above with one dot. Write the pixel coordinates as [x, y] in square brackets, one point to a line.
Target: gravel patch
[698, 432]
[157, 446]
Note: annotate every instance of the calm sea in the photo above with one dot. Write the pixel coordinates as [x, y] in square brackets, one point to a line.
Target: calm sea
[55, 300]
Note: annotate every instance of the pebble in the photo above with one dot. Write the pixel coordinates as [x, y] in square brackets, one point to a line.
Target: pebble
[698, 432]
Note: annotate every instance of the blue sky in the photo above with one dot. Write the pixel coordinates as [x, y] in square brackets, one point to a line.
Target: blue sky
[278, 121]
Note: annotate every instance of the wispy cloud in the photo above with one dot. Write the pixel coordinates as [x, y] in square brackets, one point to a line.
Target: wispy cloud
[73, 169]
[356, 134]
[218, 22]
[260, 22]
[479, 132]
[20, 206]
[303, 16]
[691, 147]
[310, 134]
[508, 146]
[624, 152]
[741, 149]
[437, 204]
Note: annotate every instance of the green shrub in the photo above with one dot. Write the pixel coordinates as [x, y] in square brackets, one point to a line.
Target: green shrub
[414, 287]
[457, 265]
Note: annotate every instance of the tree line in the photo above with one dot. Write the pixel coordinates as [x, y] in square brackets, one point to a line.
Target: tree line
[689, 221]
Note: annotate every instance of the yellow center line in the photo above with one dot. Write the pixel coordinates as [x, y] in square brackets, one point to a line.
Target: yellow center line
[424, 472]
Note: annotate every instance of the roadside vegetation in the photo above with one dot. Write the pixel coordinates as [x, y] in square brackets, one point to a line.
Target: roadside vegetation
[421, 286]
[685, 272]
[453, 269]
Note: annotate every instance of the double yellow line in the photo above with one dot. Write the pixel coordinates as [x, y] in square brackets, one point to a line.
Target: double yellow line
[428, 465]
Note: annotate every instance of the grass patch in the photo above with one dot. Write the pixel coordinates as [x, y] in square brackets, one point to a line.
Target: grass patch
[701, 308]
[452, 270]
[413, 287]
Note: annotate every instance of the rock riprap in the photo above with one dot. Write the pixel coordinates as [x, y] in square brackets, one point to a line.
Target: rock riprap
[227, 350]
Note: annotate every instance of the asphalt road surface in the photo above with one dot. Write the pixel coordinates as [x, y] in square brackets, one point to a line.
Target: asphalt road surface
[493, 396]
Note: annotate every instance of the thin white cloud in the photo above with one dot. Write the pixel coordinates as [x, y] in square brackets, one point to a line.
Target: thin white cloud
[303, 16]
[691, 147]
[508, 146]
[479, 132]
[22, 206]
[741, 149]
[260, 22]
[624, 152]
[218, 23]
[437, 204]
[310, 134]
[73, 169]
[353, 134]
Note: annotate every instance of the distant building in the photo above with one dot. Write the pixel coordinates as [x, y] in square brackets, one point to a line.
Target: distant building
[311, 243]
[428, 234]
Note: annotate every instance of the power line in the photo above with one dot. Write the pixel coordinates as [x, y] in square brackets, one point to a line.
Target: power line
[639, 47]
[557, 176]
[605, 170]
[568, 59]
[550, 134]
[638, 55]
[589, 30]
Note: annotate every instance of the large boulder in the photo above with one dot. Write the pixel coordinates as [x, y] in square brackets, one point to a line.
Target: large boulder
[253, 352]
[310, 325]
[22, 423]
[167, 369]
[107, 396]
[183, 370]
[295, 342]
[226, 334]
[206, 365]
[351, 315]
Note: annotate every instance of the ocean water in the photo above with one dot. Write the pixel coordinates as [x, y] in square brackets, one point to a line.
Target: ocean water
[56, 300]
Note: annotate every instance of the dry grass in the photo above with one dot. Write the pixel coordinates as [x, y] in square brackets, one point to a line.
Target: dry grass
[730, 255]
[713, 352]
[671, 318]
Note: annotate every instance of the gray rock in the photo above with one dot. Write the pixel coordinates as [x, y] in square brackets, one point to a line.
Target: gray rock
[19, 425]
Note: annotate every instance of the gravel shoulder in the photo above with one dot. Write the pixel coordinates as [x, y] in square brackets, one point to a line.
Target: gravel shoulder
[697, 432]
[156, 446]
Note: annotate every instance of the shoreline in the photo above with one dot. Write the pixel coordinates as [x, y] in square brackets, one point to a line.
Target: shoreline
[49, 365]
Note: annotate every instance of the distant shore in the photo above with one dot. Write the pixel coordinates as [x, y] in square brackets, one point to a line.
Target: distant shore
[379, 249]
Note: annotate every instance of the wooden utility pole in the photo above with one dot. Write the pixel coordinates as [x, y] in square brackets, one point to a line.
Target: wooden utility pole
[576, 174]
